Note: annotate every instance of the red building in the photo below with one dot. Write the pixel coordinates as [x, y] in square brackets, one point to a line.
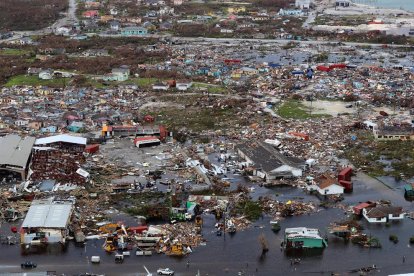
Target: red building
[344, 179]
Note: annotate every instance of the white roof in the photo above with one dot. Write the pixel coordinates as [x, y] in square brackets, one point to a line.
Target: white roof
[61, 138]
[302, 232]
[48, 214]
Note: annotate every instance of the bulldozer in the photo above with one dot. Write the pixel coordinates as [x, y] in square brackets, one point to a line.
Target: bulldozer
[110, 244]
[177, 249]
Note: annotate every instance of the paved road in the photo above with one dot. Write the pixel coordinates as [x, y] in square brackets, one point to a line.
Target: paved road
[69, 19]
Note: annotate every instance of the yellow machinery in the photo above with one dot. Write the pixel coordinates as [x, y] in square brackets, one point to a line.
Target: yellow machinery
[109, 245]
[109, 228]
[198, 223]
[177, 249]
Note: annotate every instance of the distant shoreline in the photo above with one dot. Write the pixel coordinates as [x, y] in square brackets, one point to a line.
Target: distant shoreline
[381, 5]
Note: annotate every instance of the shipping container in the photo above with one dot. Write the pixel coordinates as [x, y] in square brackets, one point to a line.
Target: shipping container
[92, 148]
[345, 174]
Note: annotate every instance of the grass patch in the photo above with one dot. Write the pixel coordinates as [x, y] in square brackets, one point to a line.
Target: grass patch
[13, 52]
[211, 88]
[142, 82]
[296, 110]
[35, 81]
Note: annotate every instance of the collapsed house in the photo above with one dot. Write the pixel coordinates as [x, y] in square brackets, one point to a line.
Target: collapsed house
[47, 222]
[15, 154]
[137, 131]
[394, 133]
[268, 163]
[59, 158]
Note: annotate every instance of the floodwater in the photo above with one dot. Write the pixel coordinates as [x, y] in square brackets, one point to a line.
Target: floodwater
[241, 252]
[391, 4]
[228, 255]
[329, 107]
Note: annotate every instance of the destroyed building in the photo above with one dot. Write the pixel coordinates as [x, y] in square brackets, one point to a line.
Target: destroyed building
[270, 164]
[46, 222]
[124, 131]
[59, 158]
[15, 154]
[394, 133]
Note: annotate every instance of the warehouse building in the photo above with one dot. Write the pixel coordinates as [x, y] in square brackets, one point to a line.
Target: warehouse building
[47, 222]
[15, 154]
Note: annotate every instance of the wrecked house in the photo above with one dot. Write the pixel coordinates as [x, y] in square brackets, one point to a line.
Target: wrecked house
[15, 154]
[270, 164]
[394, 133]
[146, 141]
[47, 222]
[59, 158]
[137, 131]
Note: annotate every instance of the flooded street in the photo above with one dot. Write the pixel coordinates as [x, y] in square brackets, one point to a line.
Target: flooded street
[230, 254]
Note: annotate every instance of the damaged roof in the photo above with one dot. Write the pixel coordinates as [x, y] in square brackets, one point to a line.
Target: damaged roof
[267, 158]
[15, 151]
[48, 214]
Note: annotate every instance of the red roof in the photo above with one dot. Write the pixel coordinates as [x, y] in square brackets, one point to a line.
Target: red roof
[323, 68]
[137, 229]
[90, 13]
[145, 138]
[340, 65]
[358, 208]
[362, 205]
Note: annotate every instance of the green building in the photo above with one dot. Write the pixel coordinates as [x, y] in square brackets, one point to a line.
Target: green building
[302, 237]
[134, 31]
[408, 190]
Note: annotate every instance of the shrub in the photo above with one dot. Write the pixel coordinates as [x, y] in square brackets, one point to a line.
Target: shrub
[393, 238]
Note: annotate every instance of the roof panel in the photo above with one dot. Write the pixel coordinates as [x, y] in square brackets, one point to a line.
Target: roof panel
[48, 214]
[15, 151]
[61, 138]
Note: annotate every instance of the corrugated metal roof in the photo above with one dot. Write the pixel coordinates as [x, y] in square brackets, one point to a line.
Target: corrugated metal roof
[15, 151]
[48, 214]
[61, 138]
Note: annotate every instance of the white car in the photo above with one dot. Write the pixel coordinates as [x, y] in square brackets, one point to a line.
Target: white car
[165, 271]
